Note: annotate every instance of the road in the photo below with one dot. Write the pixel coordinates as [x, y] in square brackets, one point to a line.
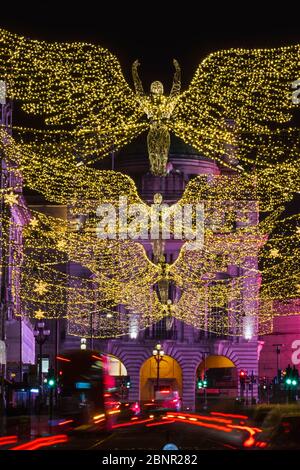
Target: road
[188, 431]
[148, 438]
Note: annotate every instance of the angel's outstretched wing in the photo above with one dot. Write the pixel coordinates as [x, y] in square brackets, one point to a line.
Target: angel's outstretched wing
[77, 85]
[62, 181]
[239, 94]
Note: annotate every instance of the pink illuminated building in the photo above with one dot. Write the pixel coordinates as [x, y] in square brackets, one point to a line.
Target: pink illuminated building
[282, 346]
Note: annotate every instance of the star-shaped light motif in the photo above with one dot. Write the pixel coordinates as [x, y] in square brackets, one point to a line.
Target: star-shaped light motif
[11, 198]
[34, 222]
[40, 287]
[274, 252]
[39, 314]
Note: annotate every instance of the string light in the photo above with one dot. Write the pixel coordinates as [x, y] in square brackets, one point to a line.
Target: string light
[237, 111]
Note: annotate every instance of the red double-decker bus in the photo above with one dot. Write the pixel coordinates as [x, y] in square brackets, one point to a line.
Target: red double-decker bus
[85, 390]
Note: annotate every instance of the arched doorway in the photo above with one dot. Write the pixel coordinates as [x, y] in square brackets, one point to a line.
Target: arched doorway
[221, 380]
[118, 371]
[116, 367]
[170, 377]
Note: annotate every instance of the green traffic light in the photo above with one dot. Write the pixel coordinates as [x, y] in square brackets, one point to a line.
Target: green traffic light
[288, 381]
[51, 382]
[294, 382]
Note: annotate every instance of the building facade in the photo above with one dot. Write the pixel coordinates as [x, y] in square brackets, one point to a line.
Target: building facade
[17, 340]
[281, 347]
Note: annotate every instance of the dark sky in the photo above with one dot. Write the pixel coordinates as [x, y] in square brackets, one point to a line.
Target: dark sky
[156, 35]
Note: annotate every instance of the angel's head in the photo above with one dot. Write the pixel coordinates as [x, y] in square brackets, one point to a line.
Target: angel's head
[157, 198]
[156, 88]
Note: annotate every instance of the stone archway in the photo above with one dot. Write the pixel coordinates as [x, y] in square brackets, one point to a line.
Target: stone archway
[116, 367]
[170, 376]
[118, 371]
[222, 379]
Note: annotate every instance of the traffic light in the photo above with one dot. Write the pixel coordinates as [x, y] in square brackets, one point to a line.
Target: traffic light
[51, 380]
[295, 377]
[200, 384]
[291, 377]
[243, 376]
[128, 382]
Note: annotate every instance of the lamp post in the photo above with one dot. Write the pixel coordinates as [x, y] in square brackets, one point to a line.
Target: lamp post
[205, 380]
[158, 354]
[41, 335]
[277, 358]
[278, 345]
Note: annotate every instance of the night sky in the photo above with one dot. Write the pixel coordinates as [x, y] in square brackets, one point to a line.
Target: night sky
[155, 35]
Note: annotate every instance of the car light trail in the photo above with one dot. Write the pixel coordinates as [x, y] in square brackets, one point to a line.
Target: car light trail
[99, 420]
[99, 416]
[65, 422]
[8, 440]
[204, 425]
[252, 431]
[261, 444]
[64, 359]
[130, 423]
[202, 418]
[114, 412]
[96, 357]
[42, 442]
[229, 415]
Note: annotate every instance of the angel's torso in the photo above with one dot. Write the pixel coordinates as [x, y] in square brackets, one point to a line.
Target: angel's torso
[159, 109]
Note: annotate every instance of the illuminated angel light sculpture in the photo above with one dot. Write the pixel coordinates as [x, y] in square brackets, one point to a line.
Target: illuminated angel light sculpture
[89, 109]
[159, 110]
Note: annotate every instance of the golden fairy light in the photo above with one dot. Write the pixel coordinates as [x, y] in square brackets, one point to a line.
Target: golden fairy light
[237, 110]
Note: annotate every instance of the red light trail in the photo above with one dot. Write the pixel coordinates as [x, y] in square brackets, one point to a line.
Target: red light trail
[8, 440]
[64, 359]
[229, 415]
[42, 442]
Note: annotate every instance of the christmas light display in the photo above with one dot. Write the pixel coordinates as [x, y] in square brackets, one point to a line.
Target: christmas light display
[239, 100]
[238, 110]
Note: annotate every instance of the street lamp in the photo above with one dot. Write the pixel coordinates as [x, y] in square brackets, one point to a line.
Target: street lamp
[277, 361]
[158, 354]
[41, 335]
